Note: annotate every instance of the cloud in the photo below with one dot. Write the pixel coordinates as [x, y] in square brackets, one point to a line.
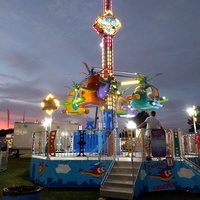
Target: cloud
[63, 169]
[185, 173]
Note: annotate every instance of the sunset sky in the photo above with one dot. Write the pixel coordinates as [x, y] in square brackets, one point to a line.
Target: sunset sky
[43, 44]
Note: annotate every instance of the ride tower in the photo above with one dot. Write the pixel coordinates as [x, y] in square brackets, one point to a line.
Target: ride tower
[107, 25]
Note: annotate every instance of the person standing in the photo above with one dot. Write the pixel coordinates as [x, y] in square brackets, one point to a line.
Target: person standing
[152, 123]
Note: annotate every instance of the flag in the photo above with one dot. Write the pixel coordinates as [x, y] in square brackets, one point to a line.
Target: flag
[8, 116]
[23, 117]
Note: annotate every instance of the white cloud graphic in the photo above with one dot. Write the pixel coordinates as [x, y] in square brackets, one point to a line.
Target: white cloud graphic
[64, 169]
[185, 173]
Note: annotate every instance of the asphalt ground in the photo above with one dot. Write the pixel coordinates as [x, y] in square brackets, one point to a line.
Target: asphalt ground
[171, 195]
[167, 195]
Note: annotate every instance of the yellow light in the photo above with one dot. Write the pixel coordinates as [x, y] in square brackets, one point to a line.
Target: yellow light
[49, 96]
[132, 82]
[49, 104]
[57, 102]
[49, 112]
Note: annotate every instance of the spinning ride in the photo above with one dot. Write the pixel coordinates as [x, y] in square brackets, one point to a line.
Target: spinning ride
[99, 88]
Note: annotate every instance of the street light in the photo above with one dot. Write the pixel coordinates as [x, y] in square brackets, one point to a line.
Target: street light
[131, 125]
[47, 123]
[192, 113]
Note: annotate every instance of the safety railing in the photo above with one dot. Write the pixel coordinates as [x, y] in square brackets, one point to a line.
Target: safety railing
[138, 145]
[39, 145]
[83, 143]
[104, 144]
[191, 148]
[104, 153]
[3, 160]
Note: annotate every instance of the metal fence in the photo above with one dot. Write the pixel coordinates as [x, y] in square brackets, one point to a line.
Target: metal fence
[104, 144]
[3, 160]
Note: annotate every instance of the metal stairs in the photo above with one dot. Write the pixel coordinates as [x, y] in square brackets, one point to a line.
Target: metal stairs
[121, 180]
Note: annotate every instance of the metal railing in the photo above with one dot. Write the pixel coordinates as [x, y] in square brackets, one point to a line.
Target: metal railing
[138, 146]
[104, 145]
[3, 160]
[191, 149]
[75, 143]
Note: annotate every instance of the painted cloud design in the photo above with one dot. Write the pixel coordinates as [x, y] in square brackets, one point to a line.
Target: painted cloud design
[64, 169]
[185, 173]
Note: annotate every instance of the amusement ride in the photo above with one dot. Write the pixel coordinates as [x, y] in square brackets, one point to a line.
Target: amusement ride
[92, 156]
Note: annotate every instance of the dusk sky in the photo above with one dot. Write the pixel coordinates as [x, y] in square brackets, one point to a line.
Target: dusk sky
[44, 42]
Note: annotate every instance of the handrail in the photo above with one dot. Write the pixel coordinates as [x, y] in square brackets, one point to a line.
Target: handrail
[104, 146]
[190, 162]
[104, 150]
[139, 142]
[94, 150]
[190, 143]
[107, 172]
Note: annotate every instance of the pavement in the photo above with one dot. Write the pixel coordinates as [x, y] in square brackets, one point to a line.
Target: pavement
[165, 195]
[171, 195]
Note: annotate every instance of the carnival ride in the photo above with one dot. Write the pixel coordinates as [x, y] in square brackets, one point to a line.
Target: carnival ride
[87, 158]
[94, 90]
[71, 107]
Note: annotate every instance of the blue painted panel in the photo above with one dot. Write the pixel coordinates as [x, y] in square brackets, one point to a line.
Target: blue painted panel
[155, 176]
[68, 173]
[94, 141]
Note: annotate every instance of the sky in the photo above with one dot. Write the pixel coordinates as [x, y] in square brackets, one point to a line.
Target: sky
[43, 44]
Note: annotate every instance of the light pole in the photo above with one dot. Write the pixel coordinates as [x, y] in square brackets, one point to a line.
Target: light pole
[49, 104]
[192, 113]
[129, 142]
[47, 123]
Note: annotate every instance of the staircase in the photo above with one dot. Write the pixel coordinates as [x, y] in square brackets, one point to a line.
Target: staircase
[120, 182]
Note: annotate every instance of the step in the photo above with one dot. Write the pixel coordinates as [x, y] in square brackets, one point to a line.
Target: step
[125, 162]
[135, 154]
[129, 164]
[121, 180]
[118, 183]
[117, 192]
[124, 158]
[121, 177]
[123, 170]
[137, 159]
[134, 165]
